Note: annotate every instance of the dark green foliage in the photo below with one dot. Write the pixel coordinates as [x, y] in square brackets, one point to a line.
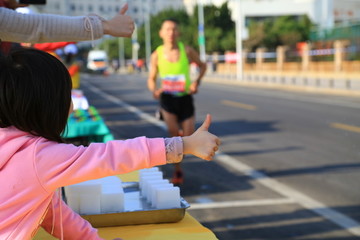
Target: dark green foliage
[283, 30]
[220, 31]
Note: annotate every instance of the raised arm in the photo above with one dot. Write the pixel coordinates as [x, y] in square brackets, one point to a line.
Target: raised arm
[37, 28]
[194, 57]
[70, 164]
[151, 82]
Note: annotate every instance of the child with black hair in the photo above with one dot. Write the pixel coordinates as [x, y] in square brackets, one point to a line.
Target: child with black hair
[35, 100]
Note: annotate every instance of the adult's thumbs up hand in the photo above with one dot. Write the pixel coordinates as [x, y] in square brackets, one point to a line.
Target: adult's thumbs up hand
[121, 25]
[124, 9]
[202, 143]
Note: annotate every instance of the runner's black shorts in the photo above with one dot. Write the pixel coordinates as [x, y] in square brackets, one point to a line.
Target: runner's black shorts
[181, 106]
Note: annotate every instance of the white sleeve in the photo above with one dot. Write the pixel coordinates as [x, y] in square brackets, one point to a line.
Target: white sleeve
[38, 28]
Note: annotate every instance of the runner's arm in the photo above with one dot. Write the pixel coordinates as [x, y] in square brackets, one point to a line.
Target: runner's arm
[151, 82]
[193, 56]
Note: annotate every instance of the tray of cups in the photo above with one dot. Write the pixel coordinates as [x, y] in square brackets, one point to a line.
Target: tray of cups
[109, 202]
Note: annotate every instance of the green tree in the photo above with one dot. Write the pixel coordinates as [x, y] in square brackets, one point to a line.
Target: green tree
[283, 30]
[256, 35]
[111, 46]
[219, 28]
[155, 23]
[219, 31]
[228, 41]
[291, 29]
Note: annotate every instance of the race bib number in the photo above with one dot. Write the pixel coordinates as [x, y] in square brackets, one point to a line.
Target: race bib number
[173, 83]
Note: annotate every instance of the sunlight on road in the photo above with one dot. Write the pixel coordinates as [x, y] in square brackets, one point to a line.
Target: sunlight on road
[238, 105]
[346, 127]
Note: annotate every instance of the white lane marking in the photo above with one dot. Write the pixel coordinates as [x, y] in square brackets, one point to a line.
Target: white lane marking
[307, 202]
[128, 107]
[241, 203]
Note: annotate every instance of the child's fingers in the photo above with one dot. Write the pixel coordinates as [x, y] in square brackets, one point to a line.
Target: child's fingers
[210, 153]
[124, 9]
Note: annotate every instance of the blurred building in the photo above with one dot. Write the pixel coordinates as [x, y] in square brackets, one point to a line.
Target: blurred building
[324, 13]
[108, 8]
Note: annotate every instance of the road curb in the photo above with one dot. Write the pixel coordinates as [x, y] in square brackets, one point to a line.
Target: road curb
[284, 87]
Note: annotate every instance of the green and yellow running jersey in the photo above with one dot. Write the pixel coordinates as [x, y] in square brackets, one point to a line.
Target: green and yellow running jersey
[175, 76]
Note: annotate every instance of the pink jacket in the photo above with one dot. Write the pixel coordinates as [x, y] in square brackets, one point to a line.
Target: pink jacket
[32, 168]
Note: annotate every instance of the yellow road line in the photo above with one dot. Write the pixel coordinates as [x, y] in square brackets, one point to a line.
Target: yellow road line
[346, 127]
[239, 105]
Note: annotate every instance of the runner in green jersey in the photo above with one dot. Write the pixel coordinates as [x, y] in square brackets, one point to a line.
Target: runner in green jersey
[171, 62]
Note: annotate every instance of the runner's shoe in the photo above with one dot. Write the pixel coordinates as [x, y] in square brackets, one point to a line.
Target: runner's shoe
[178, 177]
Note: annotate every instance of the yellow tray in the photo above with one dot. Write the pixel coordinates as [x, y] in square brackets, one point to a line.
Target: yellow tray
[137, 211]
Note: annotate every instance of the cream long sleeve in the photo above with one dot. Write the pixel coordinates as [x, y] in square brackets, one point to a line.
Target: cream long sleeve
[38, 28]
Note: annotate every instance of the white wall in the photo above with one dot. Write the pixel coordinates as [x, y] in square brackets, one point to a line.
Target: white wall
[321, 12]
[108, 8]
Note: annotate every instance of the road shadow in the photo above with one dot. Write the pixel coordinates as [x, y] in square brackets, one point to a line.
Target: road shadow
[143, 103]
[264, 151]
[336, 168]
[278, 223]
[219, 128]
[232, 127]
[202, 177]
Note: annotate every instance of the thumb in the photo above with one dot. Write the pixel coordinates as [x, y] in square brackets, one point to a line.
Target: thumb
[124, 9]
[206, 124]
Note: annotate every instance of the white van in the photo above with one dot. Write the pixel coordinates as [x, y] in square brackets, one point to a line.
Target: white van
[97, 61]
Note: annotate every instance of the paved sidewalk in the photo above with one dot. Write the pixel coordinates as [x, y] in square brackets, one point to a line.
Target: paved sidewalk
[316, 84]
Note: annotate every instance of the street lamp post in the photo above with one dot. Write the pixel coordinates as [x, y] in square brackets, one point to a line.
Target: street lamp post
[327, 19]
[147, 34]
[121, 54]
[135, 46]
[201, 31]
[239, 37]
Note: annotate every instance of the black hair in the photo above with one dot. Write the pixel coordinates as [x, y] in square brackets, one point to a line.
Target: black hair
[69, 59]
[35, 93]
[174, 20]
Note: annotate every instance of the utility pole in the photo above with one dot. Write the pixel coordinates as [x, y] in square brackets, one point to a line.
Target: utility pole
[201, 31]
[147, 34]
[239, 38]
[66, 8]
[121, 54]
[135, 46]
[327, 17]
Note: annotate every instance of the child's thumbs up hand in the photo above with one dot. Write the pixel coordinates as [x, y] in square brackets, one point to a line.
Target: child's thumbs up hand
[202, 143]
[121, 25]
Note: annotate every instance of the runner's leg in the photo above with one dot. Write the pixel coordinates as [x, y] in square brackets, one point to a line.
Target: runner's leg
[188, 126]
[171, 121]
